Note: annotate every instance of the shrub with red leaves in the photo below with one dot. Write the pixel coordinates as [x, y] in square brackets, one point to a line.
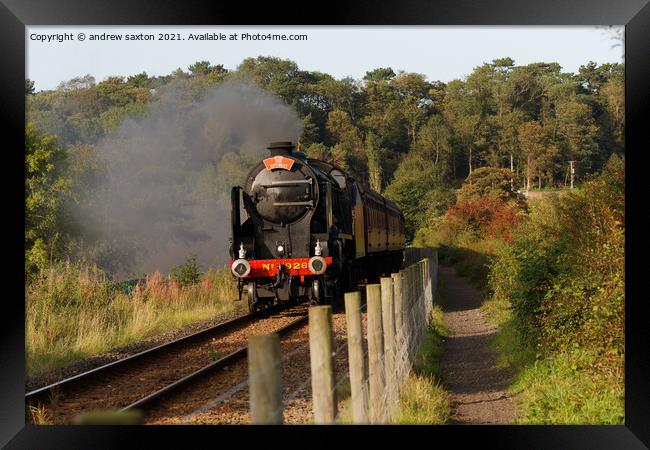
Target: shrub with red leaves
[483, 217]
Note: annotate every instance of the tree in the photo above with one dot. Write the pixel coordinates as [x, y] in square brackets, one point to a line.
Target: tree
[380, 74]
[280, 76]
[434, 142]
[374, 155]
[508, 131]
[200, 68]
[318, 151]
[384, 115]
[613, 93]
[344, 94]
[591, 78]
[578, 133]
[310, 132]
[45, 190]
[415, 185]
[462, 112]
[29, 87]
[348, 145]
[85, 82]
[342, 130]
[140, 80]
[413, 90]
[491, 183]
[548, 164]
[531, 138]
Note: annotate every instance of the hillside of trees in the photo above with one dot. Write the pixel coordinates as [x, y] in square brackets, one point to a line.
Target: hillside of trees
[412, 139]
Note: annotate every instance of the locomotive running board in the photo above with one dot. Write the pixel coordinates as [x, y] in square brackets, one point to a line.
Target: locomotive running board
[287, 183]
[308, 203]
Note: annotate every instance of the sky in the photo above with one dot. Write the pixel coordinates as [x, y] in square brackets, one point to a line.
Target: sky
[55, 53]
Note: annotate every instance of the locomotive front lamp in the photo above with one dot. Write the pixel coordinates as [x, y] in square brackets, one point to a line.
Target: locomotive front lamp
[240, 268]
[317, 265]
[280, 249]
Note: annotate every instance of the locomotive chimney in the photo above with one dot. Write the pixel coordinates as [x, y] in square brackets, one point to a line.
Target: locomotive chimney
[281, 148]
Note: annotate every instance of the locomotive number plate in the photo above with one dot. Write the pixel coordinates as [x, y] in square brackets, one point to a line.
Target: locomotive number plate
[269, 267]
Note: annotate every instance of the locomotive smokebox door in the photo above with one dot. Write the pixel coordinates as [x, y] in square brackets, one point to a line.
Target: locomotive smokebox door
[282, 196]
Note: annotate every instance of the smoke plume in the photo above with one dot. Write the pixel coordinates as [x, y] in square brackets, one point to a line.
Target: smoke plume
[167, 173]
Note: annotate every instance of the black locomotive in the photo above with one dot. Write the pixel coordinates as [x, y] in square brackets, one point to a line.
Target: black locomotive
[310, 231]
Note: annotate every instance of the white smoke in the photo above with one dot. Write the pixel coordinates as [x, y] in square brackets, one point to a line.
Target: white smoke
[161, 194]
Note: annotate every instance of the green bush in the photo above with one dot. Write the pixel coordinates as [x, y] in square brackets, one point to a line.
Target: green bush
[523, 272]
[563, 272]
[187, 273]
[490, 183]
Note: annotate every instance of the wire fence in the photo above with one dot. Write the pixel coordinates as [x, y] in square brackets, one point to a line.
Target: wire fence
[398, 311]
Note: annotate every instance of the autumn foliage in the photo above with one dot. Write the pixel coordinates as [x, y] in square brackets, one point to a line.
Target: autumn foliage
[483, 217]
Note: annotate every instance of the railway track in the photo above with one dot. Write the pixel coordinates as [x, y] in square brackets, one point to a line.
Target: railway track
[232, 357]
[142, 379]
[223, 396]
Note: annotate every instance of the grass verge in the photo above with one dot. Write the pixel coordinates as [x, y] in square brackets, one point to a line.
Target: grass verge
[424, 400]
[556, 388]
[73, 312]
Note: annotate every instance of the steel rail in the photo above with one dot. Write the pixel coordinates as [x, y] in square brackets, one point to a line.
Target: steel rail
[106, 368]
[230, 358]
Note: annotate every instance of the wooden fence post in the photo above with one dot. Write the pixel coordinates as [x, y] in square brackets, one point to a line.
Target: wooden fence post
[406, 319]
[265, 379]
[109, 417]
[356, 359]
[388, 323]
[434, 272]
[375, 352]
[422, 307]
[413, 288]
[321, 348]
[398, 300]
[423, 268]
[414, 306]
[420, 279]
[430, 282]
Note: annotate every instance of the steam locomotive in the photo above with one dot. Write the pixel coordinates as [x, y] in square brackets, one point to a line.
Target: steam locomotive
[309, 231]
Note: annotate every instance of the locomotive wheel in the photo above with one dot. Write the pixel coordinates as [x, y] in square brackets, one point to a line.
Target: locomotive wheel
[293, 295]
[316, 292]
[252, 297]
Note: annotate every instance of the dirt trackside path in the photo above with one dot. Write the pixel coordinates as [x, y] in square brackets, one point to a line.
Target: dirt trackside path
[477, 388]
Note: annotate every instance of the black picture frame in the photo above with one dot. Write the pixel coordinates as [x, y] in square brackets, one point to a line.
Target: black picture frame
[15, 14]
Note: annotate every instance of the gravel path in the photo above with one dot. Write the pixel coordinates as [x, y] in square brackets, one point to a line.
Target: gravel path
[477, 387]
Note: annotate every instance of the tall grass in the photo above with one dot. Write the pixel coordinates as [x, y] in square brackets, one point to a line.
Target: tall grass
[423, 399]
[73, 311]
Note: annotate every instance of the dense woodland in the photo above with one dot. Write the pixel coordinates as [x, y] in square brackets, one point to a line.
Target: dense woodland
[455, 157]
[412, 139]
